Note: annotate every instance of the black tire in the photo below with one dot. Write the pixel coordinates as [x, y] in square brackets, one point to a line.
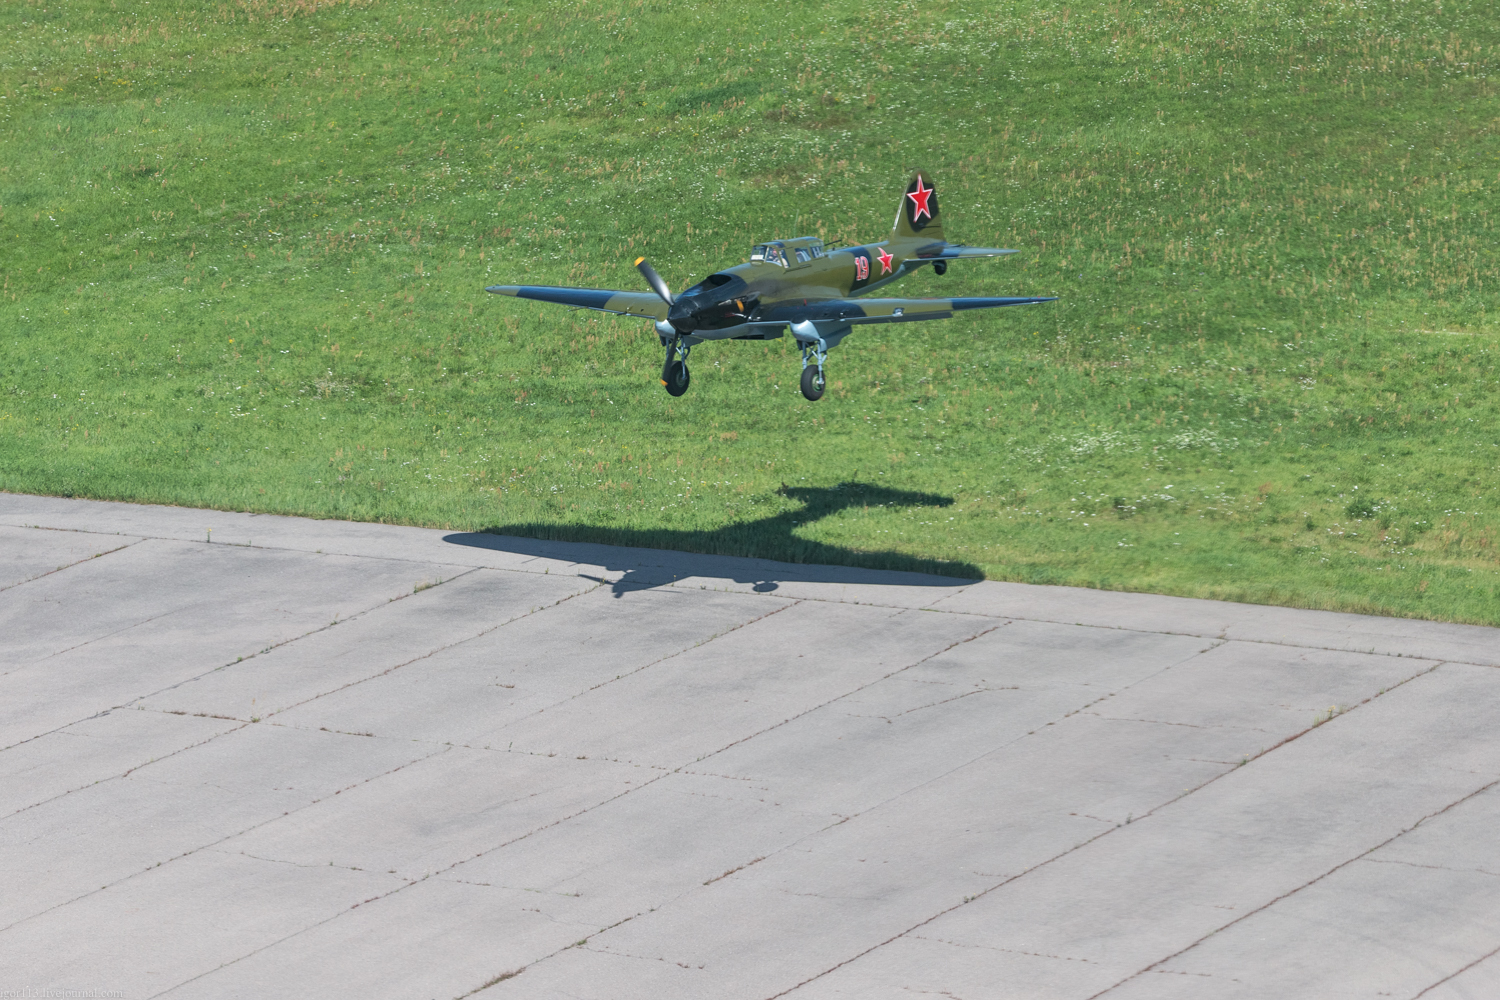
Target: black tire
[813, 383]
[677, 378]
[940, 267]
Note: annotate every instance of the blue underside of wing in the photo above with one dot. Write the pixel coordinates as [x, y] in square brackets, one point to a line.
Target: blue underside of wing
[588, 298]
[990, 303]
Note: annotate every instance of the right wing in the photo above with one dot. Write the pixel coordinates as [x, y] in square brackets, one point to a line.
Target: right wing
[954, 251]
[892, 310]
[646, 305]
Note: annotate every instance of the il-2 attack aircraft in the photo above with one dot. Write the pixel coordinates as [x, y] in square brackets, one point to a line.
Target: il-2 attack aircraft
[798, 284]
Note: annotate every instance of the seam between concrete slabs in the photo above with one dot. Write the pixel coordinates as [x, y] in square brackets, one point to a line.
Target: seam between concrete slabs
[138, 540]
[1455, 974]
[134, 767]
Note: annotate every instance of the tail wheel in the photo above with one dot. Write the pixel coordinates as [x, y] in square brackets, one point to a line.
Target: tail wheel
[677, 378]
[813, 382]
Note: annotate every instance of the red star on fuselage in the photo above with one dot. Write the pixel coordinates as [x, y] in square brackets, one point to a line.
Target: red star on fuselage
[919, 200]
[885, 259]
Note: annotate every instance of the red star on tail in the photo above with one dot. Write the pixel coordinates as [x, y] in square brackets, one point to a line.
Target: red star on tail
[885, 259]
[919, 199]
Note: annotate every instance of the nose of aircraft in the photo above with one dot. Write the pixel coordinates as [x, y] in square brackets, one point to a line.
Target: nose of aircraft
[683, 314]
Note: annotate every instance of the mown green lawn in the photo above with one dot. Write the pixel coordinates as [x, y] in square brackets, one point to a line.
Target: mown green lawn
[245, 244]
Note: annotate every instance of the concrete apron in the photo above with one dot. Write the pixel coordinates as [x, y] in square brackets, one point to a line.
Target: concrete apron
[324, 758]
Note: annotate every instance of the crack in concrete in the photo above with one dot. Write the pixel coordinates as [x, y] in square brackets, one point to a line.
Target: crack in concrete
[1008, 951]
[1415, 864]
[306, 864]
[579, 944]
[1149, 722]
[933, 704]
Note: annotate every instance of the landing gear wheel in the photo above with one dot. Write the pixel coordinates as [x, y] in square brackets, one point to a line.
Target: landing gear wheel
[677, 378]
[813, 382]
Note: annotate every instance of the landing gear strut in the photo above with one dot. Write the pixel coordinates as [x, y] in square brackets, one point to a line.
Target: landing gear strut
[813, 356]
[674, 372]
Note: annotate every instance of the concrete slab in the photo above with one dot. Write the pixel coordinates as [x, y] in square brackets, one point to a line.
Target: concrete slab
[332, 758]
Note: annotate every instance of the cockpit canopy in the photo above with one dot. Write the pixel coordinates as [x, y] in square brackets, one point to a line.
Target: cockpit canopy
[788, 253]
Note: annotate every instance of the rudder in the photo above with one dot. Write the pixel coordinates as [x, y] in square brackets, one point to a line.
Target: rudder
[918, 215]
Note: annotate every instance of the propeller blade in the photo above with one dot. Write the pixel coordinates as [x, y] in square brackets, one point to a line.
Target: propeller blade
[654, 280]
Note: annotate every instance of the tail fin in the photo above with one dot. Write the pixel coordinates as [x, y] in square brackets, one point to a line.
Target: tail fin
[918, 214]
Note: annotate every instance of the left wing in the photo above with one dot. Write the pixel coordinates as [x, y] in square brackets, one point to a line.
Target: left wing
[647, 305]
[895, 310]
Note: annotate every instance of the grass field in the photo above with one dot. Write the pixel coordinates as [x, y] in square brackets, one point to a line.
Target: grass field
[245, 242]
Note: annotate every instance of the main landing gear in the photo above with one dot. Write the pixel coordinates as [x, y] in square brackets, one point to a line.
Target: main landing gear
[813, 382]
[674, 372]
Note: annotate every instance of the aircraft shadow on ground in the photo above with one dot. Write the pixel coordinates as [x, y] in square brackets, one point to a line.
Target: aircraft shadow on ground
[769, 538]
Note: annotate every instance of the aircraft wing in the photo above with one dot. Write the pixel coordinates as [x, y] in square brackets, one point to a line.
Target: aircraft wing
[646, 305]
[953, 252]
[903, 310]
